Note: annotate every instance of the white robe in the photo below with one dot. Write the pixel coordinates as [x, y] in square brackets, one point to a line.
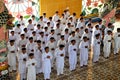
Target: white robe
[22, 42]
[96, 49]
[116, 43]
[31, 69]
[38, 57]
[61, 42]
[30, 46]
[83, 53]
[59, 60]
[56, 18]
[46, 62]
[12, 57]
[72, 50]
[107, 45]
[22, 65]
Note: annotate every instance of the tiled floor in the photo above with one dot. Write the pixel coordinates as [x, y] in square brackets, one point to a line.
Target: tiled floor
[105, 69]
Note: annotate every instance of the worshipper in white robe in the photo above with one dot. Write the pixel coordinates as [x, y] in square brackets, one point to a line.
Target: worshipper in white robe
[109, 27]
[56, 17]
[52, 34]
[31, 67]
[41, 22]
[21, 21]
[22, 58]
[96, 30]
[52, 46]
[51, 22]
[107, 44]
[80, 23]
[84, 47]
[38, 56]
[74, 18]
[46, 33]
[90, 30]
[58, 31]
[70, 20]
[96, 48]
[68, 27]
[72, 37]
[86, 33]
[45, 19]
[30, 27]
[30, 46]
[12, 36]
[66, 36]
[59, 55]
[34, 22]
[117, 41]
[34, 36]
[63, 19]
[12, 53]
[38, 30]
[41, 37]
[46, 63]
[78, 36]
[22, 42]
[49, 27]
[72, 50]
[18, 30]
[26, 33]
[61, 41]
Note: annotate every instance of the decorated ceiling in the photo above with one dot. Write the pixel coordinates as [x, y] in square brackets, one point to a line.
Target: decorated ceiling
[22, 7]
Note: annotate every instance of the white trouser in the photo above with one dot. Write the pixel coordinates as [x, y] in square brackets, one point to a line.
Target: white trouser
[95, 58]
[82, 63]
[59, 70]
[22, 76]
[46, 76]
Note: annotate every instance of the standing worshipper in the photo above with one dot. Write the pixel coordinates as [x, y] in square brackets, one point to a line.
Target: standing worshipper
[22, 58]
[30, 27]
[12, 53]
[31, 67]
[45, 19]
[56, 17]
[52, 46]
[84, 47]
[107, 44]
[30, 46]
[96, 48]
[59, 55]
[22, 42]
[41, 22]
[38, 57]
[72, 50]
[117, 41]
[61, 41]
[46, 60]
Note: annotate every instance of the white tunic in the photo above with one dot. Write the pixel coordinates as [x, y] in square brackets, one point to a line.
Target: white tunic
[107, 45]
[22, 63]
[59, 58]
[117, 42]
[72, 50]
[83, 51]
[46, 62]
[31, 70]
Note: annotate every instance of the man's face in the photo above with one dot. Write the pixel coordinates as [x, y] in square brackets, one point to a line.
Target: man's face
[23, 51]
[31, 40]
[22, 37]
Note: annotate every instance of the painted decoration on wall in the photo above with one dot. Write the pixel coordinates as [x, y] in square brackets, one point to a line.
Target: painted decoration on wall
[92, 7]
[22, 7]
